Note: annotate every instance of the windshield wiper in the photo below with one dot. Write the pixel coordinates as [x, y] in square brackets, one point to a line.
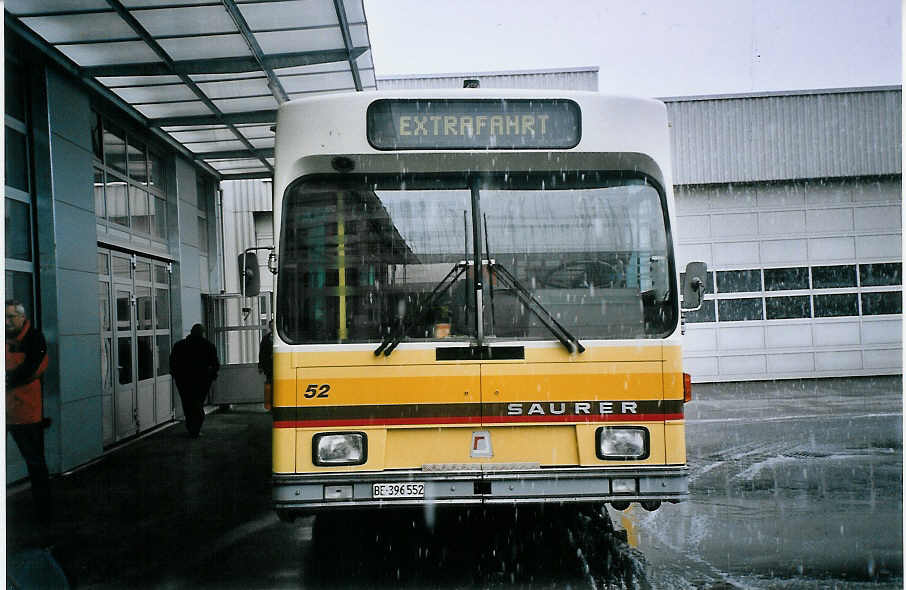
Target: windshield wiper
[565, 337]
[392, 340]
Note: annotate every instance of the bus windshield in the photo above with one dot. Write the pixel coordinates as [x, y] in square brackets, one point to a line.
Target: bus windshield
[366, 257]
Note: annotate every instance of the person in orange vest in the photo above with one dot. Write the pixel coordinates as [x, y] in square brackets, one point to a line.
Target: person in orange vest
[26, 361]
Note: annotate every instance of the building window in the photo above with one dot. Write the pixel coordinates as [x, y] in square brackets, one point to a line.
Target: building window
[845, 290]
[782, 308]
[16, 159]
[19, 206]
[15, 91]
[738, 281]
[836, 305]
[881, 274]
[704, 314]
[129, 185]
[19, 287]
[785, 279]
[139, 210]
[737, 310]
[833, 277]
[17, 227]
[117, 201]
[883, 302]
[114, 148]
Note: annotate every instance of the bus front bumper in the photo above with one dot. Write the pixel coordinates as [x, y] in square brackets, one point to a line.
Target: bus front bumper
[296, 494]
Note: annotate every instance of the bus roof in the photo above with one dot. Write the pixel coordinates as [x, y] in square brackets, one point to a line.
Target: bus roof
[311, 131]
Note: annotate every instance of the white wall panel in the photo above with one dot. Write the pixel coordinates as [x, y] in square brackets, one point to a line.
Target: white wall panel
[822, 194]
[733, 197]
[788, 336]
[688, 201]
[888, 331]
[700, 339]
[803, 362]
[886, 246]
[870, 192]
[831, 249]
[829, 220]
[734, 225]
[702, 368]
[838, 360]
[878, 218]
[698, 225]
[781, 222]
[686, 253]
[741, 338]
[780, 196]
[784, 251]
[837, 334]
[742, 365]
[883, 359]
[736, 253]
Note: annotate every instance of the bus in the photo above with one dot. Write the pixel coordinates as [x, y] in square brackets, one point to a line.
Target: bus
[477, 302]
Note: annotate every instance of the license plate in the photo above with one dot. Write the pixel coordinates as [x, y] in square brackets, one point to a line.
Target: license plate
[398, 490]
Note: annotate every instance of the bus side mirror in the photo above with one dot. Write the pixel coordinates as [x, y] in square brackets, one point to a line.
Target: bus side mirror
[693, 286]
[249, 279]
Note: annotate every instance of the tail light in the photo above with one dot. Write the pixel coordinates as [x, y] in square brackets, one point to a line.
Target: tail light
[687, 388]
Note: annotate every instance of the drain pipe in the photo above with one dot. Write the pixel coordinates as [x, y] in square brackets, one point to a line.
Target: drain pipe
[222, 248]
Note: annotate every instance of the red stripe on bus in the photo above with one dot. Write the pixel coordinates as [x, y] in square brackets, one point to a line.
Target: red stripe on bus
[476, 420]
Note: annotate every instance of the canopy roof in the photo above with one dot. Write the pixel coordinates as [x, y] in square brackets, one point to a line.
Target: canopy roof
[206, 75]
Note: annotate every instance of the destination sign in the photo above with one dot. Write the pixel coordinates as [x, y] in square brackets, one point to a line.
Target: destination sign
[468, 124]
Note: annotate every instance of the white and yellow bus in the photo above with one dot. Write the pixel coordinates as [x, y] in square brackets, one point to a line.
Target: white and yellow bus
[477, 302]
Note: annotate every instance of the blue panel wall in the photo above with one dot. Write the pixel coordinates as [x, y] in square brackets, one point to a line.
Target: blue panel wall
[189, 278]
[80, 428]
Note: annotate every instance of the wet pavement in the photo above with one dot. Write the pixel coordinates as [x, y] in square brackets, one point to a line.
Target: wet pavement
[794, 485]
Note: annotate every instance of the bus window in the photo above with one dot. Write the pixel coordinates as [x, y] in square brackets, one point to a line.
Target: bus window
[361, 260]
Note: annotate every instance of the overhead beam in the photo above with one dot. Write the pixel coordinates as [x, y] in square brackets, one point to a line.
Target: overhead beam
[71, 68]
[266, 116]
[247, 176]
[165, 57]
[223, 65]
[273, 83]
[347, 41]
[232, 154]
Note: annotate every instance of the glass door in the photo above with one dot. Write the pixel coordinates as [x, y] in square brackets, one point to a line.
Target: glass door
[163, 395]
[124, 399]
[105, 315]
[144, 317]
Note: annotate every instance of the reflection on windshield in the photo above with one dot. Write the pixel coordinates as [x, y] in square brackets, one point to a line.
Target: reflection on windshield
[360, 262]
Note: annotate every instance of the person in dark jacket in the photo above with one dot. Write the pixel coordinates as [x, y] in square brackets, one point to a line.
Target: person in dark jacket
[194, 366]
[26, 361]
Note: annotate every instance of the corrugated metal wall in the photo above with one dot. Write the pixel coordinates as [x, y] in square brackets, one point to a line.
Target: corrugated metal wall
[761, 138]
[241, 200]
[571, 79]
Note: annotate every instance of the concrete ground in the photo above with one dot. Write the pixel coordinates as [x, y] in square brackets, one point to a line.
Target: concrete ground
[173, 512]
[156, 506]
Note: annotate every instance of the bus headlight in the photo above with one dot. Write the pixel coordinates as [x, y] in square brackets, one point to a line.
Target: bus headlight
[615, 443]
[339, 448]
